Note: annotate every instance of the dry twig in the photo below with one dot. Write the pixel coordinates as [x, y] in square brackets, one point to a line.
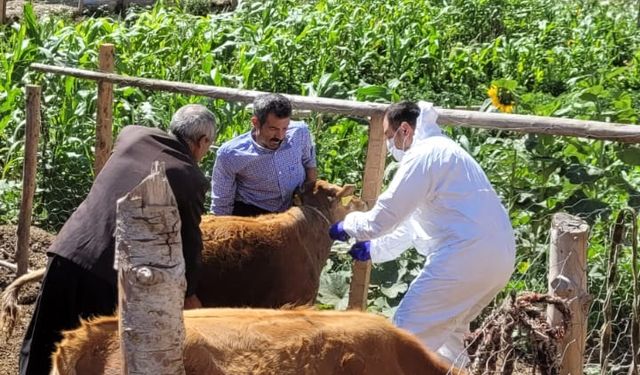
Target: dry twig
[521, 318]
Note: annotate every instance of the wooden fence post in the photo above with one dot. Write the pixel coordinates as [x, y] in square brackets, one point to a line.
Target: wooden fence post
[371, 184]
[151, 281]
[3, 12]
[104, 115]
[568, 279]
[32, 134]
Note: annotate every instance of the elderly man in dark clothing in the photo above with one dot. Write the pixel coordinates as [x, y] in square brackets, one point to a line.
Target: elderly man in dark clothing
[80, 280]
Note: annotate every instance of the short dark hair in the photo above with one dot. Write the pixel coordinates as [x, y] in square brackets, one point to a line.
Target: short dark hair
[398, 113]
[277, 104]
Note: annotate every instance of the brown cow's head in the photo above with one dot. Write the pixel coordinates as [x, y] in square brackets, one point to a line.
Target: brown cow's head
[334, 201]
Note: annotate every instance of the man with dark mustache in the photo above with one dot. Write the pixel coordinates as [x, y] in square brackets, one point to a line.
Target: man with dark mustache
[257, 172]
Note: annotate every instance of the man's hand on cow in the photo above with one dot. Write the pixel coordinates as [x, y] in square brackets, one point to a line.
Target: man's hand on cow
[336, 232]
[361, 251]
[192, 302]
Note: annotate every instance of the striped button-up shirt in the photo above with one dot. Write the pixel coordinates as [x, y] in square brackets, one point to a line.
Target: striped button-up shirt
[247, 172]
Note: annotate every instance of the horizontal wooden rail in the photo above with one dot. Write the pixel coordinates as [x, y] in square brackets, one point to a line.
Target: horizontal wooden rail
[453, 117]
[339, 106]
[539, 124]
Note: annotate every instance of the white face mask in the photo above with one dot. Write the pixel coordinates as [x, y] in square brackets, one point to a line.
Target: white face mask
[395, 152]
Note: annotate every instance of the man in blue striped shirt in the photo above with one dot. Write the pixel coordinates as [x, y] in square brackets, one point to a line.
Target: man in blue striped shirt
[257, 172]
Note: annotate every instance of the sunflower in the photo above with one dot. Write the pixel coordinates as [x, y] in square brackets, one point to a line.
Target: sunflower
[502, 98]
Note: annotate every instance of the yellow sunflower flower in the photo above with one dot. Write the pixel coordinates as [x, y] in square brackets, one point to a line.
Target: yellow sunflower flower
[501, 98]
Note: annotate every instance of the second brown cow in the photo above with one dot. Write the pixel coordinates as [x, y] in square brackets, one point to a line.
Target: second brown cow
[272, 260]
[261, 342]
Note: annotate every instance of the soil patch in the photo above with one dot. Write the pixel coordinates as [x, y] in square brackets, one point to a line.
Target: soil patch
[15, 7]
[39, 243]
[103, 7]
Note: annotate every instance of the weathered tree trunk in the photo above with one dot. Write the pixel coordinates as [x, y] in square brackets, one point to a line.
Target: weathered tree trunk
[568, 279]
[151, 281]
[371, 185]
[104, 115]
[32, 134]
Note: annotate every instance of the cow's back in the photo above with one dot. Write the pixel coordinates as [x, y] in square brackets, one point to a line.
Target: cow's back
[303, 341]
[256, 341]
[259, 262]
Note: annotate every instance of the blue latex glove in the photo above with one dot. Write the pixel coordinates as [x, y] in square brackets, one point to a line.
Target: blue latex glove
[361, 251]
[336, 232]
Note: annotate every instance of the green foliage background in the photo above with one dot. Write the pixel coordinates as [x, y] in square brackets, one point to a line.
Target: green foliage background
[577, 59]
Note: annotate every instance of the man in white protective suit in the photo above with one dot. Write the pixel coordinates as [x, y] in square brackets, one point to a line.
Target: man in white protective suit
[440, 202]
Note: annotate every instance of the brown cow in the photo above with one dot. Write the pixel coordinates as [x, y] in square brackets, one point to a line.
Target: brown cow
[272, 260]
[267, 261]
[259, 341]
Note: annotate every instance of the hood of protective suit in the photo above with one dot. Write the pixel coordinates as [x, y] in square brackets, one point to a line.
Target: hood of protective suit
[426, 125]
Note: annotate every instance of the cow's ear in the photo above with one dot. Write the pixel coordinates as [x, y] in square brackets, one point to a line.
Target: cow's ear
[346, 191]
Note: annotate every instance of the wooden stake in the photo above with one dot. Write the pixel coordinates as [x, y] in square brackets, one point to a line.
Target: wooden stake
[151, 281]
[454, 117]
[104, 116]
[568, 279]
[3, 12]
[371, 185]
[32, 134]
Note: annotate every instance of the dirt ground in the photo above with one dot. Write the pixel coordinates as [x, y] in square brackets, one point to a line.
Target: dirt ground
[14, 7]
[70, 7]
[40, 241]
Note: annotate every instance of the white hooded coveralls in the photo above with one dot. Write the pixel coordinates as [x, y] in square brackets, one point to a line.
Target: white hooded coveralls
[441, 202]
